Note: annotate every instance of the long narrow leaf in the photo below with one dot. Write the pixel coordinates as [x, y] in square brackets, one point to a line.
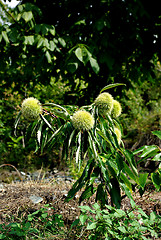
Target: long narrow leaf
[78, 149]
[55, 133]
[99, 132]
[79, 183]
[129, 157]
[71, 137]
[126, 181]
[39, 133]
[111, 86]
[57, 107]
[16, 122]
[49, 125]
[130, 173]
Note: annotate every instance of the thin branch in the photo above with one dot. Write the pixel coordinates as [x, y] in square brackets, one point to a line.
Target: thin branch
[7, 164]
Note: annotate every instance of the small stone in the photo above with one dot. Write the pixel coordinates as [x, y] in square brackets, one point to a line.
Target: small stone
[35, 199]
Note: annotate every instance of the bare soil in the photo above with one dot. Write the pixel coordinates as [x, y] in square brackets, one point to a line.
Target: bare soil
[15, 200]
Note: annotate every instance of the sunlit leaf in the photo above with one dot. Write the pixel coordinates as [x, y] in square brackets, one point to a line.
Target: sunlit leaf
[94, 65]
[5, 37]
[46, 121]
[48, 56]
[111, 86]
[27, 16]
[157, 133]
[79, 54]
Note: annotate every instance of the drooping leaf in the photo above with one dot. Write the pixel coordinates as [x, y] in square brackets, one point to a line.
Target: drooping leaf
[46, 121]
[39, 133]
[101, 195]
[126, 181]
[52, 30]
[130, 173]
[130, 158]
[87, 193]
[79, 183]
[16, 122]
[78, 152]
[115, 192]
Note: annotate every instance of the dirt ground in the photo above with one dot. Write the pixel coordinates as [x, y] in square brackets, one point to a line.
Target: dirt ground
[15, 200]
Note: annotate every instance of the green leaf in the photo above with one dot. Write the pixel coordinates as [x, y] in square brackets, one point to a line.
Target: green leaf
[83, 218]
[27, 16]
[122, 229]
[130, 173]
[94, 65]
[101, 194]
[52, 46]
[157, 157]
[111, 86]
[62, 42]
[138, 150]
[78, 152]
[87, 193]
[57, 107]
[48, 124]
[85, 208]
[142, 179]
[115, 192]
[16, 122]
[156, 179]
[48, 56]
[157, 133]
[80, 182]
[79, 54]
[91, 225]
[126, 181]
[149, 150]
[5, 37]
[40, 42]
[29, 40]
[71, 137]
[130, 158]
[99, 132]
[52, 30]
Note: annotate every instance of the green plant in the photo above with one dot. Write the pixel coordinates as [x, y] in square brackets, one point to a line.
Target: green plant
[39, 224]
[112, 223]
[152, 152]
[94, 138]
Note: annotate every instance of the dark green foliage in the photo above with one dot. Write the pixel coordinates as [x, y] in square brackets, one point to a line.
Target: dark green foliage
[112, 223]
[38, 224]
[95, 42]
